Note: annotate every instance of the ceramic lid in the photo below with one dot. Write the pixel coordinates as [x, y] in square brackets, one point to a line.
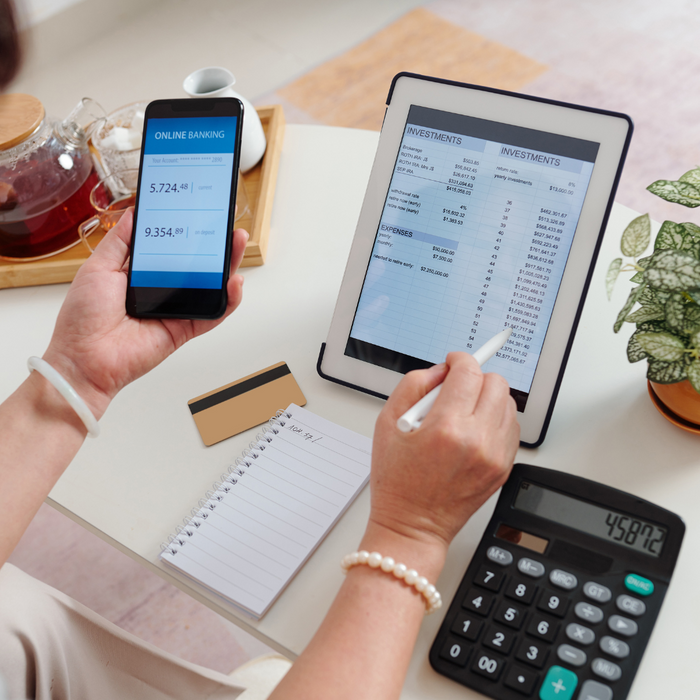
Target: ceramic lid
[20, 115]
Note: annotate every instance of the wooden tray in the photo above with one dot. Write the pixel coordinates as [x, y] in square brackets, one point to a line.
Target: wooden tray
[260, 187]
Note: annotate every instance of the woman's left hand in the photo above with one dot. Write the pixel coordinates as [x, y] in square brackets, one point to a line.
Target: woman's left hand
[96, 346]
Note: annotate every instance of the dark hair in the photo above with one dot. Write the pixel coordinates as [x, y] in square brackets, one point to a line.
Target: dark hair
[10, 52]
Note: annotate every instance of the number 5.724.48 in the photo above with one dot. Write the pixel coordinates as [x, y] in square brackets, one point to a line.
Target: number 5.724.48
[167, 187]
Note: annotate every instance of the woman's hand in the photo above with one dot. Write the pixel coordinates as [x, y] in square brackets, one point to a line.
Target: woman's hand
[96, 346]
[427, 483]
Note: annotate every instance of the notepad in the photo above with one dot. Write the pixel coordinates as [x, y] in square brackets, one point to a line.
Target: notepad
[275, 505]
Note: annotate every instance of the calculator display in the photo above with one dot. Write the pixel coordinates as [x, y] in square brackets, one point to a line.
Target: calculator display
[625, 530]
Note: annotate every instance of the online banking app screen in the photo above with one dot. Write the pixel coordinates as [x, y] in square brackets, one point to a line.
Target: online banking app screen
[474, 237]
[184, 198]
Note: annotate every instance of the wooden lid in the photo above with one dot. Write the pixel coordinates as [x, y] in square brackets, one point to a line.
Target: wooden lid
[20, 115]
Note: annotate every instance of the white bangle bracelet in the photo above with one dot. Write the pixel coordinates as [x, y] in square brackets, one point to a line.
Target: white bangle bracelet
[433, 600]
[67, 392]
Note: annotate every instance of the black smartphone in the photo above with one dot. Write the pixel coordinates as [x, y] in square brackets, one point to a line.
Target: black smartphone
[184, 210]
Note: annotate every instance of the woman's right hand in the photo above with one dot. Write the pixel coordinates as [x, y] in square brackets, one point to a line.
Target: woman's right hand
[427, 483]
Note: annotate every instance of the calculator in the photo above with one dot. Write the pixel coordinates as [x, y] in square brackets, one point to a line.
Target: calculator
[562, 594]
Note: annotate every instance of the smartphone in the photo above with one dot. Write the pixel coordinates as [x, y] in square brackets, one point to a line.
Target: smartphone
[184, 209]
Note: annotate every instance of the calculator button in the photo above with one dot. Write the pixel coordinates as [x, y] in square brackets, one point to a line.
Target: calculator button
[592, 690]
[533, 653]
[589, 613]
[455, 651]
[606, 669]
[615, 647]
[597, 592]
[519, 590]
[521, 679]
[638, 584]
[488, 666]
[553, 603]
[571, 655]
[499, 556]
[467, 626]
[478, 602]
[499, 640]
[543, 628]
[510, 614]
[488, 578]
[630, 605]
[559, 684]
[530, 567]
[622, 625]
[563, 579]
[580, 634]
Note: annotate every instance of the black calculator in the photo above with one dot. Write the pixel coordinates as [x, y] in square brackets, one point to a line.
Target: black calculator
[563, 591]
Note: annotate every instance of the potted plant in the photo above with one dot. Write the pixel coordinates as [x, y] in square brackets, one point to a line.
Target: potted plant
[667, 292]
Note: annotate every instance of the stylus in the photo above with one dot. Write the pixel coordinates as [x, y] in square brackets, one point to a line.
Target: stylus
[415, 415]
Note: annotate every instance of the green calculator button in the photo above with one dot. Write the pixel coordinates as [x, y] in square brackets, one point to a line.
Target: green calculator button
[559, 684]
[638, 584]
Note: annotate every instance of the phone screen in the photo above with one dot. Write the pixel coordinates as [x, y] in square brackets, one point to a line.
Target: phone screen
[183, 204]
[183, 218]
[474, 238]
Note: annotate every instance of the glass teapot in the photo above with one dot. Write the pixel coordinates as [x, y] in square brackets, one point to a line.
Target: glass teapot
[46, 174]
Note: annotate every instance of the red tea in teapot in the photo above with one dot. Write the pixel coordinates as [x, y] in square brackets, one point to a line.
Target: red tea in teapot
[29, 234]
[46, 174]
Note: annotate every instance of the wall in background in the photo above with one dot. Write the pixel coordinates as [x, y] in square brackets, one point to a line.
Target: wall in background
[35, 11]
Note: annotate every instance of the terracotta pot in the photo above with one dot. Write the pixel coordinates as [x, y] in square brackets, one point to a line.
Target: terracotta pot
[681, 400]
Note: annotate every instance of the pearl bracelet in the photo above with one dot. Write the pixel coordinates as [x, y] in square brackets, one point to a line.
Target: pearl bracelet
[67, 392]
[433, 600]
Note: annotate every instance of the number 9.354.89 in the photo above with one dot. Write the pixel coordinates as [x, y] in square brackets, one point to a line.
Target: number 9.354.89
[162, 231]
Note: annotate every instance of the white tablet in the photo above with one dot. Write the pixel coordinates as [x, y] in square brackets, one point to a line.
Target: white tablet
[484, 210]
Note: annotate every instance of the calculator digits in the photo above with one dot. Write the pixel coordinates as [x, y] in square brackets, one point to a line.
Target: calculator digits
[562, 594]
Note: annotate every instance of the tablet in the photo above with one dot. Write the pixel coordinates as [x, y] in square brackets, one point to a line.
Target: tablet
[484, 210]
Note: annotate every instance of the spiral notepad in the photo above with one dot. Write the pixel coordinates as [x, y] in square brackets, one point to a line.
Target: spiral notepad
[249, 536]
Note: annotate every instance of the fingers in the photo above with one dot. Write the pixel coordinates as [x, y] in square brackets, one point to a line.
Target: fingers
[496, 410]
[234, 290]
[461, 389]
[496, 414]
[240, 240]
[494, 403]
[413, 387]
[113, 249]
[466, 393]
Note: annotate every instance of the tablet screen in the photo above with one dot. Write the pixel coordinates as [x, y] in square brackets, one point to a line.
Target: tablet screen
[473, 238]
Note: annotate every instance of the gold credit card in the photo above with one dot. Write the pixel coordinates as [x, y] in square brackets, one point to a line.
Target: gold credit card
[245, 403]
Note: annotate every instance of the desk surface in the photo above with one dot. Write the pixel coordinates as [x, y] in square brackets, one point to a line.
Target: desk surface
[139, 480]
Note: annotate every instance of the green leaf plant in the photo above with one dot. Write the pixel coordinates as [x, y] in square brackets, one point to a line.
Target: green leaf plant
[664, 302]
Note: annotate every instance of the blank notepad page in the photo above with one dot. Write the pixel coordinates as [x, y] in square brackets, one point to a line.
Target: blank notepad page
[273, 508]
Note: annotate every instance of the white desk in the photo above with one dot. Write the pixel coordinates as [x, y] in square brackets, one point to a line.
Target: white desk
[137, 482]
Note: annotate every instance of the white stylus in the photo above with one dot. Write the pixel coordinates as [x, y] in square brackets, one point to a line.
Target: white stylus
[416, 414]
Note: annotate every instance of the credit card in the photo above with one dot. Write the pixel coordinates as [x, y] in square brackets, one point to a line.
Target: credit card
[245, 403]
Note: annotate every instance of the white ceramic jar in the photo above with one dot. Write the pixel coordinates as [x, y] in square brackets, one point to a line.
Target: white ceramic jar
[218, 82]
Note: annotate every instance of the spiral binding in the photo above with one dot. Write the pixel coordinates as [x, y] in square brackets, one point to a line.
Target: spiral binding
[227, 481]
